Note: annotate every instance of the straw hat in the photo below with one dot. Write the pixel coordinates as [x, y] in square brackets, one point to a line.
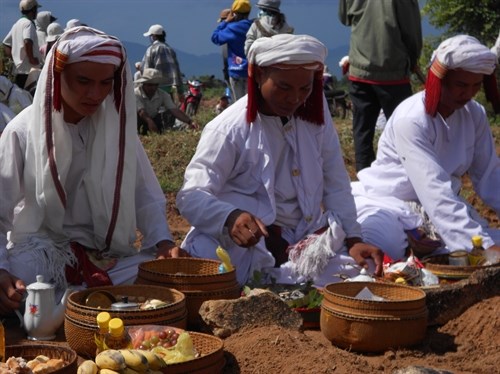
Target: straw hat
[151, 76]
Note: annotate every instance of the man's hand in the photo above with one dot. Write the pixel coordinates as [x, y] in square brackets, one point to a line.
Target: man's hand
[245, 229]
[167, 249]
[12, 290]
[151, 125]
[361, 251]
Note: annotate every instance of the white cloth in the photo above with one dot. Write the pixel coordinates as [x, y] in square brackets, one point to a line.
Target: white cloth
[6, 115]
[233, 168]
[496, 48]
[14, 97]
[86, 156]
[286, 48]
[422, 158]
[21, 30]
[467, 53]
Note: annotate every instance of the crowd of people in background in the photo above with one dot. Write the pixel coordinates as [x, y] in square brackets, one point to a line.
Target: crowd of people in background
[267, 181]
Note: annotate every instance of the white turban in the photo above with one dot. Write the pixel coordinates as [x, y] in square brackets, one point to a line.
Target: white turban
[467, 53]
[286, 49]
[80, 45]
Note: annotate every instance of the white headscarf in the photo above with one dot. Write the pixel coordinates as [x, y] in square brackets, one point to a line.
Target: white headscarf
[466, 53]
[287, 49]
[111, 163]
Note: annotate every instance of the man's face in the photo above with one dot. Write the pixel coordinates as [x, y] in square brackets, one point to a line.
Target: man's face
[458, 88]
[283, 90]
[84, 86]
[149, 89]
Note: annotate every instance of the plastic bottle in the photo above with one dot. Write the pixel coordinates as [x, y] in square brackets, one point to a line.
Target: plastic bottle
[476, 255]
[103, 319]
[117, 336]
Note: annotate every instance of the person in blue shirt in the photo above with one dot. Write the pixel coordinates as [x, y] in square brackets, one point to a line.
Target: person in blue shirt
[232, 31]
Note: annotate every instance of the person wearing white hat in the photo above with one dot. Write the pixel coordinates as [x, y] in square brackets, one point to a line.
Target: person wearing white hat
[268, 182]
[162, 57]
[75, 161]
[74, 22]
[153, 103]
[21, 43]
[271, 21]
[410, 195]
[42, 22]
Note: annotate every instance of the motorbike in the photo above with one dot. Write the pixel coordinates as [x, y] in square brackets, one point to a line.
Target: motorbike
[192, 98]
[338, 100]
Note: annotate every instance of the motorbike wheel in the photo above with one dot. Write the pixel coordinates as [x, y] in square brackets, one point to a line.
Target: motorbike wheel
[340, 109]
[191, 109]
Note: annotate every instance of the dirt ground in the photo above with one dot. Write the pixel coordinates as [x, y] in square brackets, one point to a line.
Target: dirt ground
[467, 344]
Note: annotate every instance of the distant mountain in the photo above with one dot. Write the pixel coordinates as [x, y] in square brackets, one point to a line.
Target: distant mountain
[211, 64]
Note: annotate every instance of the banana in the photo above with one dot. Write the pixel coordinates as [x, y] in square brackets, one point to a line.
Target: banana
[108, 371]
[110, 359]
[128, 370]
[224, 257]
[134, 359]
[87, 367]
[155, 362]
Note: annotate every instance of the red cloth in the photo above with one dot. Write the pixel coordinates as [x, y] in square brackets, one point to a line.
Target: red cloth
[85, 270]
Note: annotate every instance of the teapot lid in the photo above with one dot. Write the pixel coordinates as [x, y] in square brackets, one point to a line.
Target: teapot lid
[39, 284]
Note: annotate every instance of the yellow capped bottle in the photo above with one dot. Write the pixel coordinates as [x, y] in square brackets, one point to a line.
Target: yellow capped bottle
[117, 336]
[103, 319]
[476, 255]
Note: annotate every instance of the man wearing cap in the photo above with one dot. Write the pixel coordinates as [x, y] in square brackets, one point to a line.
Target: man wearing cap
[232, 31]
[22, 42]
[162, 57]
[270, 22]
[411, 192]
[152, 103]
[268, 182]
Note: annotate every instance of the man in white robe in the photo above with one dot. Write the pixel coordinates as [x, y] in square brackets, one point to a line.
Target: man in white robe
[264, 169]
[429, 143]
[75, 181]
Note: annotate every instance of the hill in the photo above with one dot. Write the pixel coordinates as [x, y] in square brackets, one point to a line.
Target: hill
[211, 64]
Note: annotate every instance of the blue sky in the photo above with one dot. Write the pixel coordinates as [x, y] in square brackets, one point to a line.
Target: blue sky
[188, 23]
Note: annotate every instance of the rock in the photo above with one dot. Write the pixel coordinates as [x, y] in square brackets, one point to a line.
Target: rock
[420, 370]
[449, 301]
[263, 308]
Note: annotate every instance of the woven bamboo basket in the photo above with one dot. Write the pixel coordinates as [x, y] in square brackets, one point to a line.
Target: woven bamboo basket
[400, 320]
[30, 351]
[211, 360]
[199, 279]
[80, 320]
[439, 266]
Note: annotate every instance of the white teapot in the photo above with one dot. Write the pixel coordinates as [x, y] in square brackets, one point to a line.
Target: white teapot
[362, 277]
[42, 317]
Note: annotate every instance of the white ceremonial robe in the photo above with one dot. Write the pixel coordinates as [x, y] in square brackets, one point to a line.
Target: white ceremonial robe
[233, 168]
[150, 205]
[423, 159]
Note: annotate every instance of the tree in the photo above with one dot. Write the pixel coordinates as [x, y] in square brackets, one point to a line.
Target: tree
[478, 18]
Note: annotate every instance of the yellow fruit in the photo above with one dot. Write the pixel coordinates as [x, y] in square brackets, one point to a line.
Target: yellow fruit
[400, 280]
[87, 367]
[108, 371]
[134, 359]
[110, 359]
[128, 370]
[224, 257]
[155, 362]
